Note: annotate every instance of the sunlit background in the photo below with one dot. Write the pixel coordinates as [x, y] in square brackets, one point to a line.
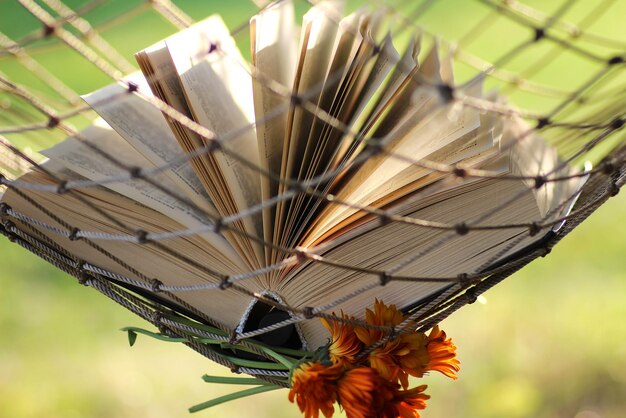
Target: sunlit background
[547, 342]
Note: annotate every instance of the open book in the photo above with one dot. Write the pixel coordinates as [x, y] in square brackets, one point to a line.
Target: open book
[324, 128]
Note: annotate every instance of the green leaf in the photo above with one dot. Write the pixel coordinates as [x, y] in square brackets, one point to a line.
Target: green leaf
[209, 341]
[197, 325]
[238, 347]
[286, 361]
[233, 380]
[293, 353]
[233, 396]
[132, 337]
[135, 330]
[254, 364]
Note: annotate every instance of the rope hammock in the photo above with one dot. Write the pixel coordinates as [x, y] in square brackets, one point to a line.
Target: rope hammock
[527, 95]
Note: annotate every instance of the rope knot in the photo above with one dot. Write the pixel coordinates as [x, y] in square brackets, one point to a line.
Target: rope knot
[533, 229]
[462, 277]
[225, 283]
[308, 312]
[470, 295]
[540, 181]
[156, 285]
[73, 235]
[61, 187]
[142, 236]
[132, 87]
[384, 278]
[461, 228]
[4, 209]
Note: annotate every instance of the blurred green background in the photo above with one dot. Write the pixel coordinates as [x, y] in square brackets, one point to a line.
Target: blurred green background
[548, 342]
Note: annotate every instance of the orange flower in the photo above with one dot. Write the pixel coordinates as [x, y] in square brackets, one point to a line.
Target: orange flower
[397, 358]
[442, 353]
[314, 388]
[382, 315]
[344, 345]
[356, 391]
[405, 403]
[403, 356]
[364, 393]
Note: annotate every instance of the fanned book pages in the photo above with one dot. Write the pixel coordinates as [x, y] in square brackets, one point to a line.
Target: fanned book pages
[267, 180]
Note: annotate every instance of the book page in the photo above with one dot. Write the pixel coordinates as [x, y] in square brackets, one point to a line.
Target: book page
[402, 74]
[349, 53]
[218, 89]
[364, 74]
[84, 210]
[381, 67]
[274, 48]
[162, 76]
[379, 179]
[410, 102]
[383, 248]
[316, 47]
[361, 72]
[394, 93]
[145, 129]
[160, 73]
[314, 144]
[428, 137]
[533, 156]
[81, 159]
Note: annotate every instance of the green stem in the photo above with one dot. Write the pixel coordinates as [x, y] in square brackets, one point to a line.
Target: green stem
[281, 350]
[233, 396]
[286, 361]
[217, 331]
[293, 353]
[197, 325]
[154, 335]
[285, 364]
[254, 364]
[167, 338]
[233, 380]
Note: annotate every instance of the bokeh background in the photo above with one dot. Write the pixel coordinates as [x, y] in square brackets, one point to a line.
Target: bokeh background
[547, 342]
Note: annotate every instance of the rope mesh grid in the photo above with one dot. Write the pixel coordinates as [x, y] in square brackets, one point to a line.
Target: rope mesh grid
[582, 118]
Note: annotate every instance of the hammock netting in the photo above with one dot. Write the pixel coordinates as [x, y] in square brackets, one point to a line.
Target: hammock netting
[559, 72]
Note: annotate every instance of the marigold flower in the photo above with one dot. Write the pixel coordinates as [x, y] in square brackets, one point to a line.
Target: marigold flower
[344, 344]
[399, 357]
[364, 393]
[442, 353]
[314, 388]
[356, 391]
[405, 403]
[377, 386]
[403, 356]
[382, 315]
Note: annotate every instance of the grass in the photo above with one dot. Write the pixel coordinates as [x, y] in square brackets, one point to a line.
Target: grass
[548, 342]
